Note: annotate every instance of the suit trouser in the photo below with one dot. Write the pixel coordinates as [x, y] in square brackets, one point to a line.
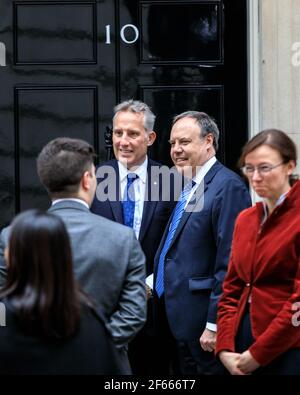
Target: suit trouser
[124, 361]
[194, 360]
[286, 364]
[189, 358]
[153, 351]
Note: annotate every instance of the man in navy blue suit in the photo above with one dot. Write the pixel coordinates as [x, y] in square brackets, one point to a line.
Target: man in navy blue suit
[142, 205]
[192, 258]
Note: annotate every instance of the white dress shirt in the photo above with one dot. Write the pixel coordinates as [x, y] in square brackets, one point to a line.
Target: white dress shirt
[72, 199]
[139, 191]
[201, 173]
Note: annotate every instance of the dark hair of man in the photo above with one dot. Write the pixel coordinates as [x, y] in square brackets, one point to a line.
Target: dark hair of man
[62, 163]
[206, 124]
[40, 285]
[276, 139]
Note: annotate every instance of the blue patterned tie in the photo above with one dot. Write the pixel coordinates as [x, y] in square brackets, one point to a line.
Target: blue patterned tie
[178, 211]
[129, 200]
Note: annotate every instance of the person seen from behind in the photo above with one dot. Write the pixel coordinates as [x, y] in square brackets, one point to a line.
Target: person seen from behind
[50, 327]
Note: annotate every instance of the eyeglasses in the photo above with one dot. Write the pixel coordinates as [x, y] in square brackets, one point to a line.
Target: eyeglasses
[249, 170]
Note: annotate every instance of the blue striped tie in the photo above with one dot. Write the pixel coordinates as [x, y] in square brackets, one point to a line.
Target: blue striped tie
[129, 200]
[178, 211]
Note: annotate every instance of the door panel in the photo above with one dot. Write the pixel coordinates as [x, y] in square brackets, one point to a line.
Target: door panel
[191, 55]
[44, 30]
[181, 32]
[59, 81]
[71, 109]
[68, 62]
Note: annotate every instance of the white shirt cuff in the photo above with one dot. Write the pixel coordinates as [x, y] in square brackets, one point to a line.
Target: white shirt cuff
[149, 281]
[211, 327]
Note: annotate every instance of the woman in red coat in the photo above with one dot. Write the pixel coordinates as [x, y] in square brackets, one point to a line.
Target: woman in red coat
[258, 314]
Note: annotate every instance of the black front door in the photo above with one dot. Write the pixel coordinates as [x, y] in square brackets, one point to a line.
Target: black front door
[67, 63]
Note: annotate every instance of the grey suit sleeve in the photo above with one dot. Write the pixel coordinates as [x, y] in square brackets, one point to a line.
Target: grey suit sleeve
[131, 314]
[3, 244]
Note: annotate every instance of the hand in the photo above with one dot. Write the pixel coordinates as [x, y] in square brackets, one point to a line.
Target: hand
[149, 292]
[230, 360]
[208, 340]
[247, 363]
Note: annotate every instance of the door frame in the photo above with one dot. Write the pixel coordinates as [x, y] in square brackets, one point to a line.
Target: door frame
[254, 94]
[254, 67]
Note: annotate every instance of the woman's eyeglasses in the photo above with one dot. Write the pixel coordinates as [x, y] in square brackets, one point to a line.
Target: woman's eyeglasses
[249, 170]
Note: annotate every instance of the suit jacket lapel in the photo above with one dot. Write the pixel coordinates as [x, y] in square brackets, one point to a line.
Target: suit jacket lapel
[185, 216]
[199, 195]
[161, 244]
[149, 206]
[116, 205]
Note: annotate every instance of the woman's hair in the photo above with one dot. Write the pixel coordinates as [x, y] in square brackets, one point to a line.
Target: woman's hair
[40, 284]
[275, 139]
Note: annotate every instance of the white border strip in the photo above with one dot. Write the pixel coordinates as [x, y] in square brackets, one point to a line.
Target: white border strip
[253, 73]
[2, 54]
[253, 67]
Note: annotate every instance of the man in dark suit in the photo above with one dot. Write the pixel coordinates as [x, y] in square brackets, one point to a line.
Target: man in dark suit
[108, 260]
[132, 135]
[192, 259]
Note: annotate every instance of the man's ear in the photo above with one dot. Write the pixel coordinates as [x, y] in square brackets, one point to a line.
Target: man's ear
[210, 139]
[151, 138]
[85, 181]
